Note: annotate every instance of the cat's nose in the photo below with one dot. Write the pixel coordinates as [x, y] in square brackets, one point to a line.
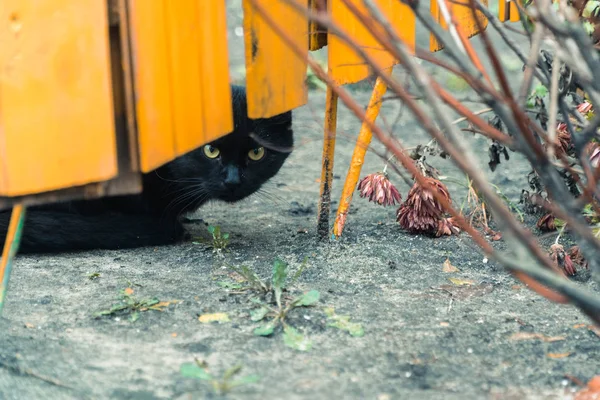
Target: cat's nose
[232, 175]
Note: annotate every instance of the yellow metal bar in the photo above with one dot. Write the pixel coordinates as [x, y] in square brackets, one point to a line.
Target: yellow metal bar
[327, 163]
[274, 84]
[11, 246]
[56, 107]
[358, 157]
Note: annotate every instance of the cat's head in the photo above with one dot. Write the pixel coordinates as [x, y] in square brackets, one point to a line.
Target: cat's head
[238, 164]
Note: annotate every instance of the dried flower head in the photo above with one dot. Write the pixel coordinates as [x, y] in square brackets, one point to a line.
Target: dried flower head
[533, 203]
[564, 139]
[421, 212]
[546, 223]
[562, 259]
[577, 256]
[447, 226]
[593, 151]
[584, 107]
[378, 188]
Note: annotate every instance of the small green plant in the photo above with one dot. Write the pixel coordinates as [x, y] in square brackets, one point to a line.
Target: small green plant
[128, 304]
[254, 282]
[342, 322]
[94, 276]
[275, 314]
[278, 313]
[199, 370]
[219, 241]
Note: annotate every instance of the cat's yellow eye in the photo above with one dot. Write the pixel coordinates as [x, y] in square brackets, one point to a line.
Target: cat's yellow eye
[211, 152]
[257, 153]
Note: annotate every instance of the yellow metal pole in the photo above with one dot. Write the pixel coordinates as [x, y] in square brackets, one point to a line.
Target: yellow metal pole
[327, 164]
[358, 157]
[11, 246]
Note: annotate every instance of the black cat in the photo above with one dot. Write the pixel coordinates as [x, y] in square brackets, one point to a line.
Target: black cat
[228, 169]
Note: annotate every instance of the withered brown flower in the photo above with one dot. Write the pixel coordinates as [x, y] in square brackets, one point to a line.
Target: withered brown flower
[562, 132]
[593, 151]
[564, 139]
[562, 259]
[584, 107]
[546, 223]
[421, 212]
[447, 226]
[378, 188]
[577, 256]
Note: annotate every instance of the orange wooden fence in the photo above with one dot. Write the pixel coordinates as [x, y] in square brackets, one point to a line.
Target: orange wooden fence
[95, 92]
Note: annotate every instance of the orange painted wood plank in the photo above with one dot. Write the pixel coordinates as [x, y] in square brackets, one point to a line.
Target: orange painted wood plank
[464, 18]
[152, 79]
[183, 42]
[504, 10]
[345, 64]
[56, 112]
[514, 11]
[317, 36]
[214, 63]
[275, 76]
[181, 75]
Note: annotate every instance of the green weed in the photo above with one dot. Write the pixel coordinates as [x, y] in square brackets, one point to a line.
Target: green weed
[272, 316]
[221, 385]
[130, 305]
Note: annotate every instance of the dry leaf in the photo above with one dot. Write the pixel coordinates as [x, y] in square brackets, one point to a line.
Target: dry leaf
[174, 334]
[577, 326]
[444, 324]
[558, 355]
[531, 335]
[216, 317]
[591, 391]
[128, 291]
[461, 282]
[29, 325]
[448, 267]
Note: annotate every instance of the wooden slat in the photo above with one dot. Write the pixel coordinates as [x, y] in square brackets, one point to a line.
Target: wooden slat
[181, 76]
[183, 40]
[56, 111]
[317, 33]
[504, 10]
[514, 11]
[214, 63]
[464, 18]
[156, 138]
[345, 64]
[275, 76]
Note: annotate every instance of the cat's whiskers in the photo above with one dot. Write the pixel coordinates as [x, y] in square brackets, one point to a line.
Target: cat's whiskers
[200, 198]
[194, 192]
[182, 180]
[275, 199]
[181, 189]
